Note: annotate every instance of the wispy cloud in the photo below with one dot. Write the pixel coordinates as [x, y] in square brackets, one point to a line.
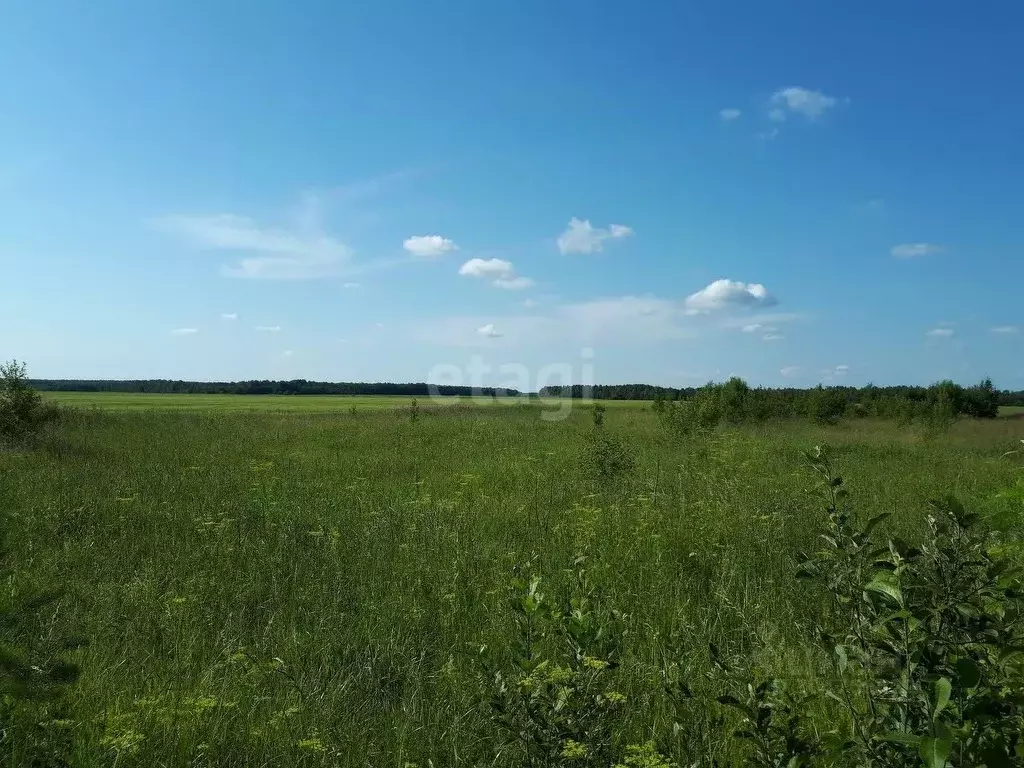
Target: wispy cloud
[352, 285]
[1005, 329]
[940, 333]
[581, 237]
[514, 283]
[802, 101]
[835, 372]
[914, 250]
[184, 331]
[765, 322]
[427, 246]
[773, 337]
[729, 114]
[500, 272]
[727, 294]
[274, 253]
[229, 316]
[268, 328]
[790, 370]
[628, 320]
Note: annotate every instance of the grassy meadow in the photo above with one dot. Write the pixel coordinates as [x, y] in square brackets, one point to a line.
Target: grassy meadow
[304, 584]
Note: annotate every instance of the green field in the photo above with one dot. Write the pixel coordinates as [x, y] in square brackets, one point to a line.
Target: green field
[308, 403]
[298, 584]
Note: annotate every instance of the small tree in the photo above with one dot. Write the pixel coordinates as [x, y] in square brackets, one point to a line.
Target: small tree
[23, 411]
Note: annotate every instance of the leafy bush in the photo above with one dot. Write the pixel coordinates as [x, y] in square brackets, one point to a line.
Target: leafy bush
[554, 703]
[927, 645]
[825, 406]
[23, 411]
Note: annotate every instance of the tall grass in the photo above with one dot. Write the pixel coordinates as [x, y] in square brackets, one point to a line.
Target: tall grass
[314, 589]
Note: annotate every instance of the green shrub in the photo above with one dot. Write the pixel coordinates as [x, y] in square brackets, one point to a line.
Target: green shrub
[23, 411]
[926, 642]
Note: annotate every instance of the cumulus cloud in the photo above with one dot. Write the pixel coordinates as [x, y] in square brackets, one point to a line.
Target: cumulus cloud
[488, 268]
[729, 114]
[268, 328]
[500, 272]
[728, 294]
[802, 101]
[581, 237]
[940, 333]
[184, 331]
[230, 316]
[914, 250]
[426, 246]
[1005, 329]
[276, 253]
[790, 370]
[489, 331]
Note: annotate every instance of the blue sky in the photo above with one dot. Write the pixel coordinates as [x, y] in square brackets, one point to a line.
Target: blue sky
[792, 192]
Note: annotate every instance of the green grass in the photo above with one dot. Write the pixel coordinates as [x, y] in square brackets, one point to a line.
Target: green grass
[308, 403]
[295, 584]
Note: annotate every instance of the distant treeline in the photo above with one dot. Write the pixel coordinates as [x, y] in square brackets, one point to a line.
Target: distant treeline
[262, 387]
[737, 400]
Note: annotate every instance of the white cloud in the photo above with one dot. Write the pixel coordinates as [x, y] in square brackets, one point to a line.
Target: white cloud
[352, 285]
[940, 332]
[803, 101]
[842, 369]
[281, 253]
[488, 268]
[268, 328]
[773, 337]
[726, 294]
[501, 273]
[729, 114]
[1005, 329]
[514, 283]
[582, 237]
[489, 331]
[230, 316]
[790, 370]
[755, 327]
[287, 353]
[777, 115]
[426, 246]
[184, 331]
[913, 250]
[529, 303]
